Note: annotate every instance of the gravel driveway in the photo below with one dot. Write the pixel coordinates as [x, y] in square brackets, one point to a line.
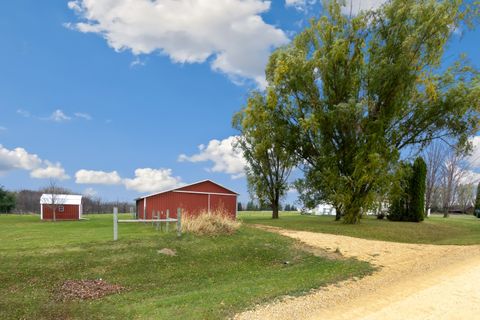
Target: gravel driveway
[413, 281]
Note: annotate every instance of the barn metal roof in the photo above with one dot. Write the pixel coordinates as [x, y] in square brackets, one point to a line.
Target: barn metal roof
[186, 185]
[61, 199]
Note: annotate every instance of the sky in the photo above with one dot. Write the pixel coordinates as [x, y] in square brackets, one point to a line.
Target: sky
[119, 98]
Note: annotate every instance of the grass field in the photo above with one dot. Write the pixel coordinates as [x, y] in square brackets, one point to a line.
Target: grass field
[210, 278]
[460, 230]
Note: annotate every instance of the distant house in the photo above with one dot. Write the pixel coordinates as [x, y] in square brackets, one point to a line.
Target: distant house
[68, 207]
[194, 198]
[327, 209]
[323, 209]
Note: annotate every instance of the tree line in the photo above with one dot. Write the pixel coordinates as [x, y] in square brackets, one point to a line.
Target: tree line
[257, 206]
[28, 201]
[451, 183]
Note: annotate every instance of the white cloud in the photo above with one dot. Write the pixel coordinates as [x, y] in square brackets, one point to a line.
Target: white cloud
[469, 177]
[59, 116]
[2, 128]
[225, 158]
[97, 177]
[152, 180]
[354, 7]
[56, 116]
[82, 115]
[474, 158]
[20, 159]
[51, 171]
[300, 5]
[137, 62]
[145, 180]
[23, 113]
[230, 32]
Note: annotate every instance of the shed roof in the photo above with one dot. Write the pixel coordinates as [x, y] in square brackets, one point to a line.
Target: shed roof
[184, 186]
[61, 199]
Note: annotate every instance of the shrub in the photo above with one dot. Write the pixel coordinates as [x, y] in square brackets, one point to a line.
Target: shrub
[418, 184]
[209, 223]
[408, 194]
[399, 195]
[476, 210]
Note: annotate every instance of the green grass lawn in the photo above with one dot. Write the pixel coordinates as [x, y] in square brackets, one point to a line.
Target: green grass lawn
[210, 278]
[434, 230]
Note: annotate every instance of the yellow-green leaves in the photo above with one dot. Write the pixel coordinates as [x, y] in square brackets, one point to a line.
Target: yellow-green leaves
[349, 94]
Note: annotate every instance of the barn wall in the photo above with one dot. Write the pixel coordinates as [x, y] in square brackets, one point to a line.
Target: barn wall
[71, 212]
[224, 203]
[140, 209]
[206, 186]
[190, 203]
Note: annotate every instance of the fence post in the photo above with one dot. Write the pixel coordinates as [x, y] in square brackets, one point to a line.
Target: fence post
[168, 217]
[158, 217]
[115, 224]
[179, 222]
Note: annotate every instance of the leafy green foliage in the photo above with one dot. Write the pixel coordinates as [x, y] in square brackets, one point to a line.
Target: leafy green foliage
[261, 141]
[351, 93]
[399, 194]
[7, 200]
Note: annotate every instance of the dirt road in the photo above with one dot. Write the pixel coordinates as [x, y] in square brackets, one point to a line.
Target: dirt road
[413, 281]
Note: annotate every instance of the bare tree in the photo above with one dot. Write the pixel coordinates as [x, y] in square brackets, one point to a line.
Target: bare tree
[453, 171]
[466, 196]
[434, 157]
[56, 199]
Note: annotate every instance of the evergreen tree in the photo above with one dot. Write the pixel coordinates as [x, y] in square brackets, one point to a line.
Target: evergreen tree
[7, 201]
[417, 188]
[239, 207]
[251, 206]
[408, 194]
[476, 212]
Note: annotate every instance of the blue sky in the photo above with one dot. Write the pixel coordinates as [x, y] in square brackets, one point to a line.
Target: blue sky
[120, 108]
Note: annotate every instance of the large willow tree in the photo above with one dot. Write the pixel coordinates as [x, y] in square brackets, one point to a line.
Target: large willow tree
[356, 91]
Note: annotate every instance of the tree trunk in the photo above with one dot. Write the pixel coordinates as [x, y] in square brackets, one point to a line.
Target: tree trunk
[54, 215]
[352, 212]
[275, 209]
[338, 213]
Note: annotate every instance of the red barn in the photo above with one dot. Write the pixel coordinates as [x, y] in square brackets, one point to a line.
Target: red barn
[193, 198]
[68, 207]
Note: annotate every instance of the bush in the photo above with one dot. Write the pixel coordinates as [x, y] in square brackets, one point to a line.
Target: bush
[476, 210]
[399, 195]
[212, 224]
[408, 195]
[418, 184]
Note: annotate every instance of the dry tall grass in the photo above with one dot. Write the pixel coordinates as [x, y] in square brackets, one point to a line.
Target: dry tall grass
[209, 223]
